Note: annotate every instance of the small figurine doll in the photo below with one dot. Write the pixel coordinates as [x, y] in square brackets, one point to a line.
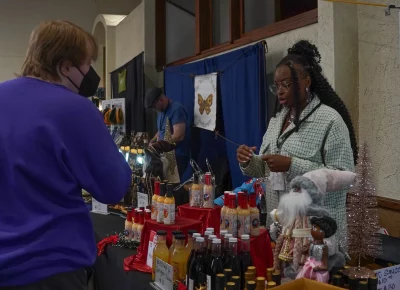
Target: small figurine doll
[316, 266]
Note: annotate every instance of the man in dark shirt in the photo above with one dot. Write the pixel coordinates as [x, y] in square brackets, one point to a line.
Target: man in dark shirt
[180, 128]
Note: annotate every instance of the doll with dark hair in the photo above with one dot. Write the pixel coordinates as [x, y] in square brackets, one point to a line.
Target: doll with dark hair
[316, 266]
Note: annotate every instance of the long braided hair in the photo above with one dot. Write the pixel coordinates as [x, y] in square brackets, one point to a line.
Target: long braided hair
[307, 56]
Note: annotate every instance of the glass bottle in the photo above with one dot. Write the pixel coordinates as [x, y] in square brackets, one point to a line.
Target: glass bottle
[154, 200]
[140, 225]
[195, 198]
[208, 191]
[128, 224]
[135, 225]
[251, 285]
[254, 216]
[214, 264]
[243, 212]
[233, 261]
[178, 260]
[160, 251]
[169, 206]
[197, 272]
[220, 282]
[160, 203]
[191, 255]
[222, 237]
[172, 247]
[244, 256]
[225, 253]
[222, 224]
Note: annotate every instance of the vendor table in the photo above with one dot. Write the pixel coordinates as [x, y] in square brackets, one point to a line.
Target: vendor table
[210, 217]
[109, 267]
[138, 261]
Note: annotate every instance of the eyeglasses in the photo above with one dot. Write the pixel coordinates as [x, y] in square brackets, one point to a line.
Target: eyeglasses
[282, 85]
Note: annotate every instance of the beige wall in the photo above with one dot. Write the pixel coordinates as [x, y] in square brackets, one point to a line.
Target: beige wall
[379, 100]
[129, 36]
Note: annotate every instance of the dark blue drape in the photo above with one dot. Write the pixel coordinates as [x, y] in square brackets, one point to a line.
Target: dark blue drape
[241, 104]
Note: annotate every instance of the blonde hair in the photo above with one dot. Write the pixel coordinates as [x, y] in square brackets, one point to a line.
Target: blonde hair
[54, 42]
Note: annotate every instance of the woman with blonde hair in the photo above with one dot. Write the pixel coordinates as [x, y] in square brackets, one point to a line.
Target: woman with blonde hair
[53, 144]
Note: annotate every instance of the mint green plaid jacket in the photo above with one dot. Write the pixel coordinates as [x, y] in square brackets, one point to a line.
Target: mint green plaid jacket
[322, 133]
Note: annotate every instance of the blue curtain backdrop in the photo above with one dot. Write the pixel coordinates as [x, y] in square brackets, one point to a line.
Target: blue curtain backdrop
[241, 104]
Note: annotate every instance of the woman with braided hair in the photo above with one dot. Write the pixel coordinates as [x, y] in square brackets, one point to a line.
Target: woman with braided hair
[311, 129]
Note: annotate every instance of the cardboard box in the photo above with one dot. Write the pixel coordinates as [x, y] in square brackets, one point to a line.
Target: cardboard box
[306, 284]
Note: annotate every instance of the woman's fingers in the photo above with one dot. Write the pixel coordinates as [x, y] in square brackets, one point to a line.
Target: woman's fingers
[244, 153]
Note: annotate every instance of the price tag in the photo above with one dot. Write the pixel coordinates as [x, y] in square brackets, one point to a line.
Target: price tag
[98, 207]
[388, 278]
[142, 199]
[152, 245]
[164, 275]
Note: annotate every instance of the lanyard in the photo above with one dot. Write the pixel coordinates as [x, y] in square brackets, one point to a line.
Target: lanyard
[288, 134]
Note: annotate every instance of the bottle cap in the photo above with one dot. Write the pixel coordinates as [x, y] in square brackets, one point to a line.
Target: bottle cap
[245, 237]
[148, 210]
[207, 233]
[196, 235]
[200, 239]
[227, 236]
[233, 240]
[163, 189]
[210, 229]
[216, 241]
[223, 232]
[161, 233]
[180, 237]
[177, 232]
[211, 237]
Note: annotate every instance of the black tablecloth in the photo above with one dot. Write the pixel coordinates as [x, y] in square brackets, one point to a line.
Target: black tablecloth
[110, 274]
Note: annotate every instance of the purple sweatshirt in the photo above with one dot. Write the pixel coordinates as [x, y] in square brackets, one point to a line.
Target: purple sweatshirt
[53, 144]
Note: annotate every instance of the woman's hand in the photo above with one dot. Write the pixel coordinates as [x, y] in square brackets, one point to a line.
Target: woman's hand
[277, 163]
[244, 153]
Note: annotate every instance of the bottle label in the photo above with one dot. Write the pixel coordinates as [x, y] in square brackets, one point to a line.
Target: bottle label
[195, 198]
[169, 214]
[254, 223]
[160, 212]
[246, 226]
[209, 282]
[240, 225]
[208, 196]
[138, 234]
[228, 223]
[191, 284]
[154, 211]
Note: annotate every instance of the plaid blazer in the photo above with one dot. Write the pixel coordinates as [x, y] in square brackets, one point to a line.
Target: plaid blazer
[323, 140]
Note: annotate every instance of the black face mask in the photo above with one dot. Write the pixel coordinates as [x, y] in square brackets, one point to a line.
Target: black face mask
[89, 84]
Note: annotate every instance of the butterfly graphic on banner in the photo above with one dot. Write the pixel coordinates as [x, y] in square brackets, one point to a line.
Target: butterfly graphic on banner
[205, 104]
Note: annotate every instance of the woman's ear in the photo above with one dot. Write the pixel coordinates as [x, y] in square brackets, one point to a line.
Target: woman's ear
[308, 81]
[65, 67]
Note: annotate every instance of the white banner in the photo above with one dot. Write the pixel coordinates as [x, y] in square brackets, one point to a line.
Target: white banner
[205, 101]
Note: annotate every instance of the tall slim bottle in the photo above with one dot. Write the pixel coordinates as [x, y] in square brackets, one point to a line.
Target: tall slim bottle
[215, 265]
[191, 255]
[222, 225]
[254, 216]
[225, 253]
[233, 260]
[160, 251]
[178, 260]
[243, 213]
[154, 200]
[172, 247]
[197, 273]
[169, 206]
[244, 256]
[160, 203]
[208, 191]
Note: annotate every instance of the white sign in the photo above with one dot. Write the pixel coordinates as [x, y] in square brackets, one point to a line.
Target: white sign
[205, 101]
[152, 245]
[98, 207]
[142, 199]
[164, 275]
[388, 278]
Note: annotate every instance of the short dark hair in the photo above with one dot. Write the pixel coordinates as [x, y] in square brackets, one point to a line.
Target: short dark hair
[326, 223]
